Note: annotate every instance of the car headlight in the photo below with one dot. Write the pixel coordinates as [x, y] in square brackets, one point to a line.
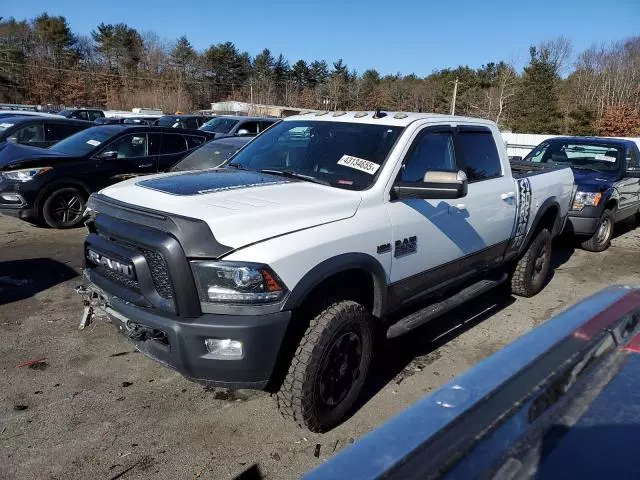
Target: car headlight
[26, 174]
[586, 199]
[237, 282]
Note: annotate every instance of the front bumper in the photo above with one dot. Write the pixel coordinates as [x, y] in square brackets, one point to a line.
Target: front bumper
[23, 213]
[581, 225]
[179, 344]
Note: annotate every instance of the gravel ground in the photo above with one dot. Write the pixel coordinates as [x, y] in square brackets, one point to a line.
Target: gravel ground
[94, 408]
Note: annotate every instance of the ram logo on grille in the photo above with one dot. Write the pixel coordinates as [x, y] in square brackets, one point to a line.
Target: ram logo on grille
[110, 263]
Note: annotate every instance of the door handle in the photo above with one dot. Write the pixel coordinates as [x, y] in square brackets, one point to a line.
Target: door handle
[145, 165]
[507, 196]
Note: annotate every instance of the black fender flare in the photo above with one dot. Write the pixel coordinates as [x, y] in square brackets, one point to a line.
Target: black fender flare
[338, 264]
[558, 223]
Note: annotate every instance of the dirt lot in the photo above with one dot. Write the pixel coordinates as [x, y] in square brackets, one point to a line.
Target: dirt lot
[93, 408]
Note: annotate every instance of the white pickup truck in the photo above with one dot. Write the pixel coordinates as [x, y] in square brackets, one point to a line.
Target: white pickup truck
[277, 271]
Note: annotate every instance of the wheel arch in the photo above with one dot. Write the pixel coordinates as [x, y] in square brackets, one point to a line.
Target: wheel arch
[57, 184]
[343, 266]
[549, 216]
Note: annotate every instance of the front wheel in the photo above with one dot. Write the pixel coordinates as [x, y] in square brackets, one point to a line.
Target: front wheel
[329, 367]
[64, 208]
[530, 272]
[601, 239]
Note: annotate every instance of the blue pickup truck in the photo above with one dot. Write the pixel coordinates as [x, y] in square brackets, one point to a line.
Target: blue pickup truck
[607, 177]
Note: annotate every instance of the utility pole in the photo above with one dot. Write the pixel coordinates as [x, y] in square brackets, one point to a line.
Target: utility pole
[453, 100]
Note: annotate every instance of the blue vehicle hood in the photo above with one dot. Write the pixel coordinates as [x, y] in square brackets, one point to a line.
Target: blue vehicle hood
[587, 180]
[11, 153]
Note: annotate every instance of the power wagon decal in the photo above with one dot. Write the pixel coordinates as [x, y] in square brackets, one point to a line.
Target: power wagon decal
[523, 214]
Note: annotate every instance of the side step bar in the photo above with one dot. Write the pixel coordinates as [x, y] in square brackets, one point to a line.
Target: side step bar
[428, 313]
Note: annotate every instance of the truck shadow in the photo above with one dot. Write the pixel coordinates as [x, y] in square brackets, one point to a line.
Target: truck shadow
[399, 358]
[20, 279]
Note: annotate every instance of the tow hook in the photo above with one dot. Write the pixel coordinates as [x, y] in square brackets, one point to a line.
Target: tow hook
[90, 299]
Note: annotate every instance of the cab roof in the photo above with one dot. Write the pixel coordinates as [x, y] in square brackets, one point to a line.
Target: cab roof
[400, 119]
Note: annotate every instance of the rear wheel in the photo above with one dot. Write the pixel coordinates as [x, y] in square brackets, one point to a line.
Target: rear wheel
[64, 208]
[329, 367]
[601, 239]
[530, 272]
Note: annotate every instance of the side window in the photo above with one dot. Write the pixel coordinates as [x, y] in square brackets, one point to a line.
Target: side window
[29, 134]
[153, 143]
[130, 146]
[193, 141]
[83, 115]
[200, 121]
[265, 125]
[480, 155]
[430, 151]
[172, 143]
[93, 115]
[632, 158]
[54, 132]
[252, 127]
[191, 123]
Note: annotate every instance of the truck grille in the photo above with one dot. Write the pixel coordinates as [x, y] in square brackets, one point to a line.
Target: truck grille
[159, 272]
[118, 278]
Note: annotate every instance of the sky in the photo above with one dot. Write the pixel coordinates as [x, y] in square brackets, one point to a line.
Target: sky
[393, 37]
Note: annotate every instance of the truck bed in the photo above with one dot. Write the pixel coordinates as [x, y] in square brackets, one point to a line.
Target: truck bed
[521, 169]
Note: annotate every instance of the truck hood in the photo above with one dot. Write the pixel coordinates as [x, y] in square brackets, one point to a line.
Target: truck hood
[590, 181]
[240, 207]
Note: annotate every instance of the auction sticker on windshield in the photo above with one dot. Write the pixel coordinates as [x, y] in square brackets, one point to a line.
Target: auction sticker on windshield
[359, 164]
[93, 143]
[605, 158]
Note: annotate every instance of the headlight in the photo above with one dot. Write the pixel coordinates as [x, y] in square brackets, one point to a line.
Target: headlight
[236, 282]
[26, 174]
[586, 199]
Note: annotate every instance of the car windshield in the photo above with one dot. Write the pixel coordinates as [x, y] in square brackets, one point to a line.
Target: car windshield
[210, 155]
[581, 155]
[219, 125]
[83, 142]
[344, 155]
[66, 112]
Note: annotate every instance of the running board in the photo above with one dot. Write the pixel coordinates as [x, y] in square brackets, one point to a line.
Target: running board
[428, 313]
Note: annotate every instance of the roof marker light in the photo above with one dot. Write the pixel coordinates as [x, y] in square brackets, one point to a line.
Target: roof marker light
[360, 114]
[319, 114]
[339, 114]
[400, 115]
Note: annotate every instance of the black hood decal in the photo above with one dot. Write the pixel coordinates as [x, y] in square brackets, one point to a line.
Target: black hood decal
[210, 181]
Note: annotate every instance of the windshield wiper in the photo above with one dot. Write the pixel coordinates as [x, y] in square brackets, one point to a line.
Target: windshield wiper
[290, 174]
[236, 165]
[584, 167]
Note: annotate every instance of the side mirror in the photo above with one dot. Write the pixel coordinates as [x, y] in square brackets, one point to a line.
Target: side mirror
[436, 185]
[108, 155]
[633, 172]
[243, 131]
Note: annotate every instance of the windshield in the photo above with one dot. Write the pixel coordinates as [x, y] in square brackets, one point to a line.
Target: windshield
[83, 142]
[345, 155]
[589, 156]
[65, 113]
[219, 125]
[210, 155]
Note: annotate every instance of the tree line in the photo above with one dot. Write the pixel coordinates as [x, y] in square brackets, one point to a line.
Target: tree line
[43, 62]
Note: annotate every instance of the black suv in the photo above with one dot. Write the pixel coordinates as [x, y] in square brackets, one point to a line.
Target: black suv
[89, 114]
[182, 121]
[53, 184]
[38, 131]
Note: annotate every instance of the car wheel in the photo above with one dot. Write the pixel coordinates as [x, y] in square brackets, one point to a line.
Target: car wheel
[601, 239]
[530, 272]
[64, 208]
[329, 367]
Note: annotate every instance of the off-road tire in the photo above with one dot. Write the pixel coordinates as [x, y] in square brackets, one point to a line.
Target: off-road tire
[300, 398]
[599, 242]
[526, 278]
[51, 202]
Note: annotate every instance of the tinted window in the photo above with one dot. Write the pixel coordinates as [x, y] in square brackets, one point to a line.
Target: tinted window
[478, 149]
[219, 125]
[83, 142]
[57, 131]
[264, 125]
[130, 146]
[172, 144]
[193, 141]
[168, 122]
[210, 155]
[252, 127]
[29, 134]
[153, 141]
[632, 158]
[346, 155]
[93, 114]
[431, 151]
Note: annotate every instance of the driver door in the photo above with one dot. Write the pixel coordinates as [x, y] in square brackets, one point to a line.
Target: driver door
[126, 157]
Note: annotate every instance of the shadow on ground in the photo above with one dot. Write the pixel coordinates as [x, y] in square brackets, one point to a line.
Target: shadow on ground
[20, 279]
